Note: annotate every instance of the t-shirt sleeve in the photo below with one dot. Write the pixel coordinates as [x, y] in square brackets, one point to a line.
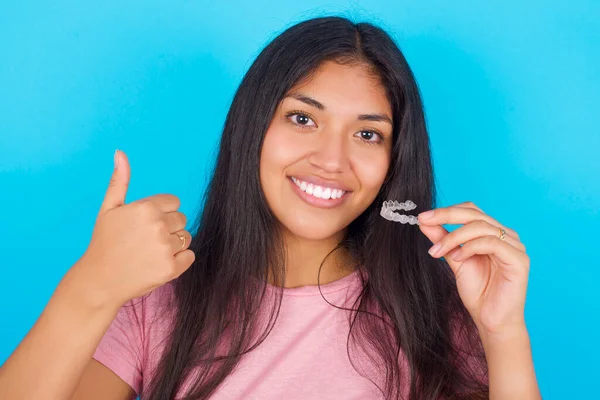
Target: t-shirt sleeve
[121, 347]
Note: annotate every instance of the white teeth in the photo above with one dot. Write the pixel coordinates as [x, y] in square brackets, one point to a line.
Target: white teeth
[318, 191]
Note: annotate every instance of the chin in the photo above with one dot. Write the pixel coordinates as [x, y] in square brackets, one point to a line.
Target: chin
[313, 231]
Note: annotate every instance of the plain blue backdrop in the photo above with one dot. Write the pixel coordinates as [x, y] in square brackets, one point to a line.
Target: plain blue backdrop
[511, 90]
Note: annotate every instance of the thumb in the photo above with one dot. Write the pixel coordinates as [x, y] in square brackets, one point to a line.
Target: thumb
[119, 182]
[435, 233]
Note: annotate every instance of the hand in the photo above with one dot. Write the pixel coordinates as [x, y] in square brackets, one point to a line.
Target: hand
[135, 247]
[491, 274]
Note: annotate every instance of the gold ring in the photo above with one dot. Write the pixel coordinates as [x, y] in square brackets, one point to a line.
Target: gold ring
[502, 234]
[182, 237]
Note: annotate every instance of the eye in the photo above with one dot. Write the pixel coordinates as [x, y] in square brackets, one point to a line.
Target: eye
[371, 137]
[299, 118]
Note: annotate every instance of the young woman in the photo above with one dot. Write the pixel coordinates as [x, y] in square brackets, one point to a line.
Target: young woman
[293, 286]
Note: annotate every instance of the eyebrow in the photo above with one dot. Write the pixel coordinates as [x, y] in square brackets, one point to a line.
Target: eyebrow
[362, 117]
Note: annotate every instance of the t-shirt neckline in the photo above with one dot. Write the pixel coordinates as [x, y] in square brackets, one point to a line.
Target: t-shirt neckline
[311, 290]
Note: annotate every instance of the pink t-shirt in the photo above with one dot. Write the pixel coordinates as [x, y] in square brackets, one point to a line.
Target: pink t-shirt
[304, 356]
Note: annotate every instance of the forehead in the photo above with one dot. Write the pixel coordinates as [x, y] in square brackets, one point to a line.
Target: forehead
[352, 88]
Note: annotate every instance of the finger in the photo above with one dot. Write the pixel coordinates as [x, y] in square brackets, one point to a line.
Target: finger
[459, 215]
[180, 241]
[509, 232]
[470, 204]
[164, 202]
[492, 245]
[435, 233]
[183, 260]
[176, 221]
[119, 182]
[465, 233]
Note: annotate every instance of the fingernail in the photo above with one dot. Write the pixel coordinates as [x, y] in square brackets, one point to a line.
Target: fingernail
[434, 249]
[427, 214]
[116, 158]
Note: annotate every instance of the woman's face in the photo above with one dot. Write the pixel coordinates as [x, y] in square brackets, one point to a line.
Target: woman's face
[327, 151]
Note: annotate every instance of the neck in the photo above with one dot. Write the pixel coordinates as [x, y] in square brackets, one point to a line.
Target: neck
[304, 257]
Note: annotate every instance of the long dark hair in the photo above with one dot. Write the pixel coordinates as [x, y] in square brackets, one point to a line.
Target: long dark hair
[408, 304]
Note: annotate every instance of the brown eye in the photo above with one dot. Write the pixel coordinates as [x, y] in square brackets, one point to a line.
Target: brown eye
[367, 135]
[300, 119]
[370, 137]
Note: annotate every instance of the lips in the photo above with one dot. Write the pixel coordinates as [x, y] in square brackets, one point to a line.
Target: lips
[315, 180]
[318, 191]
[321, 196]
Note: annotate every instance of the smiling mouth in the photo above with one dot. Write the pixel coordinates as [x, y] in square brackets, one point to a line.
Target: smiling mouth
[317, 191]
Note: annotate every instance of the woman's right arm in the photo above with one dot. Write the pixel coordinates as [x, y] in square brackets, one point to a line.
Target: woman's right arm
[134, 249]
[54, 360]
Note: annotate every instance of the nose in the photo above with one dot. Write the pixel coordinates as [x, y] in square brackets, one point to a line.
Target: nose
[330, 152]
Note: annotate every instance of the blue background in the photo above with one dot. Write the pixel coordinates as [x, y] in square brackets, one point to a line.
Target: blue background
[511, 90]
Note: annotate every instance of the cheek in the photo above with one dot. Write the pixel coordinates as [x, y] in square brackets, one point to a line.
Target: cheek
[279, 151]
[371, 170]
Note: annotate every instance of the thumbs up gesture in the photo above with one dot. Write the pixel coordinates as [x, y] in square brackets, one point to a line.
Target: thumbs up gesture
[135, 247]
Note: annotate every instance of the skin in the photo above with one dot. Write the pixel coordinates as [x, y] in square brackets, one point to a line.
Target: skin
[491, 277]
[329, 143]
[491, 274]
[135, 248]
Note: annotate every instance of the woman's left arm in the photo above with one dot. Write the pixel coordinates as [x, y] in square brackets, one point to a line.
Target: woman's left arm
[510, 366]
[491, 270]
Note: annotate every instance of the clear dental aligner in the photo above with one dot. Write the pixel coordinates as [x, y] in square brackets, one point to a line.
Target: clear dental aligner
[388, 208]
